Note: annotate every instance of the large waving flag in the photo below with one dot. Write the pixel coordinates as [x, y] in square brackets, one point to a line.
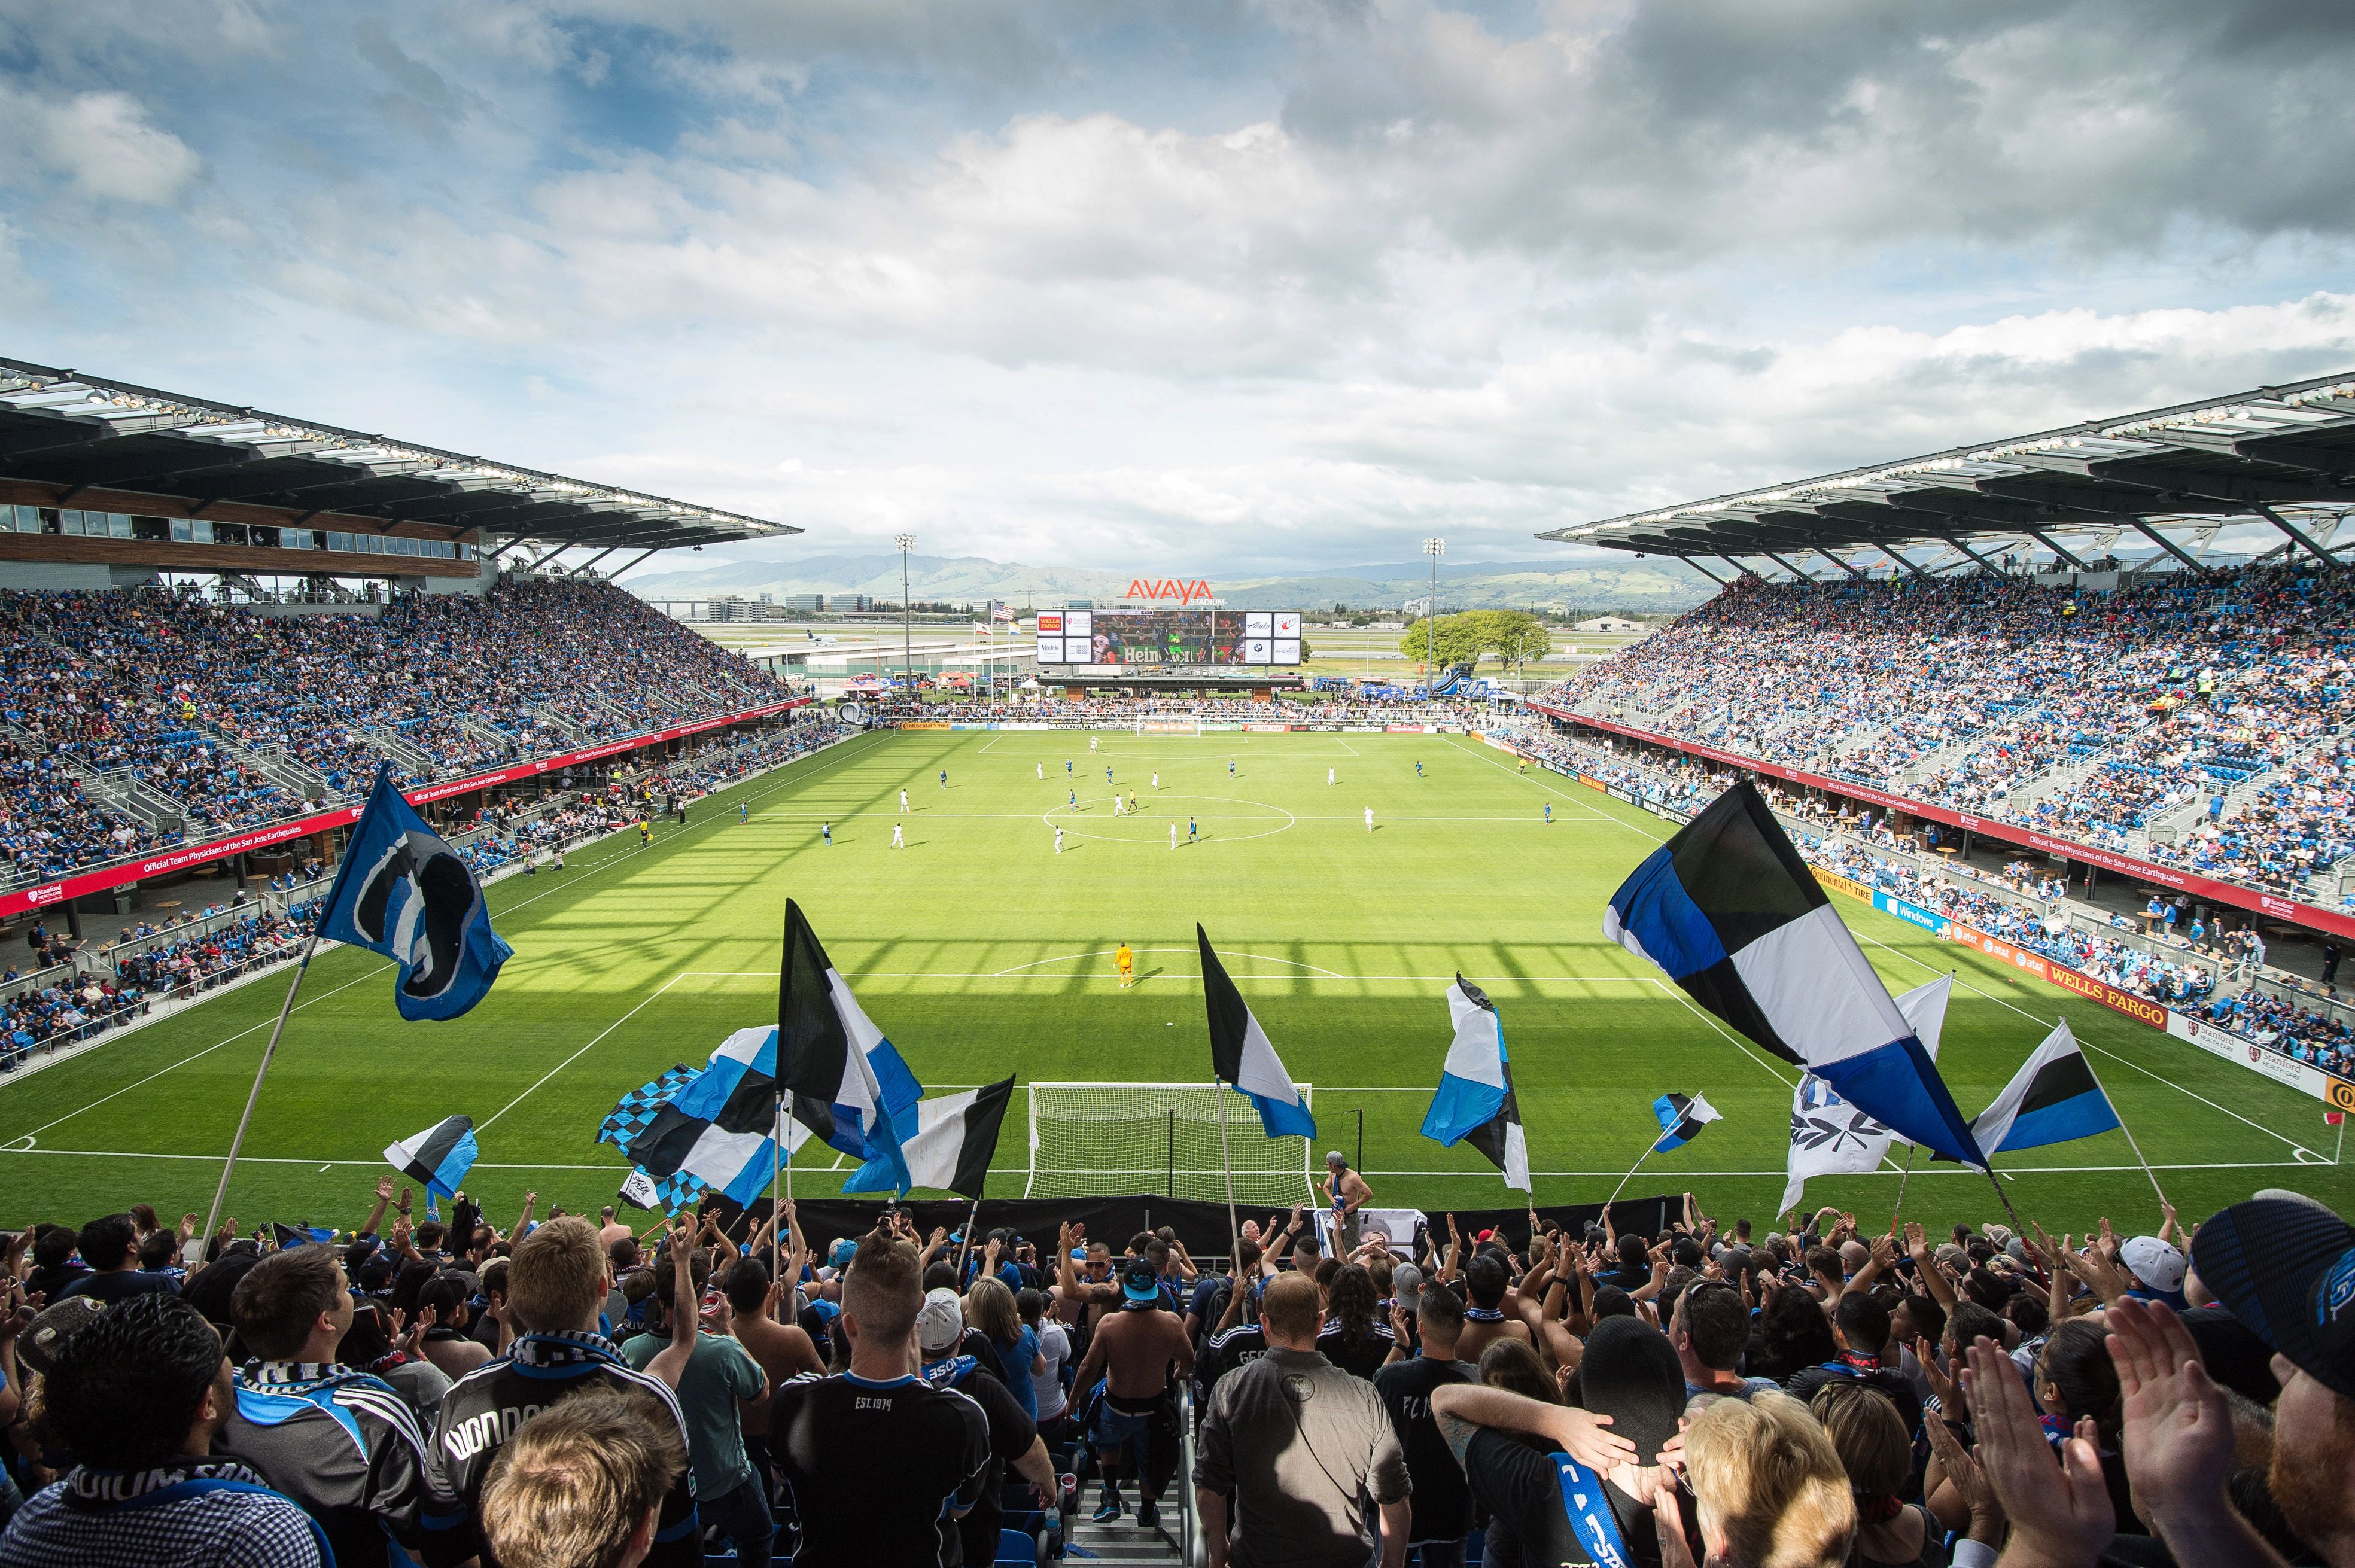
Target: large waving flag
[721, 1127]
[437, 1159]
[1732, 915]
[947, 1143]
[1681, 1119]
[847, 1081]
[2053, 1099]
[1241, 1055]
[403, 892]
[1831, 1138]
[1475, 1099]
[629, 1117]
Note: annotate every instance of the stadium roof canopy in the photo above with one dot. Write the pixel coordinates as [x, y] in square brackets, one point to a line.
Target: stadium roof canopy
[69, 428]
[2281, 457]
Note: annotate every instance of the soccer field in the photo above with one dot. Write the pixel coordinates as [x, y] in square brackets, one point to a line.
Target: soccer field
[980, 952]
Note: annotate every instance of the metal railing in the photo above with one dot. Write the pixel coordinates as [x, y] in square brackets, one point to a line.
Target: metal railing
[1192, 1550]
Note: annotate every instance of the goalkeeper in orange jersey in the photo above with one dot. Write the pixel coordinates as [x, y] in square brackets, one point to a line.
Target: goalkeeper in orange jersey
[1127, 962]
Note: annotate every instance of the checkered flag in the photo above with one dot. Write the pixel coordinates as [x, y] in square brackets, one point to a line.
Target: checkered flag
[629, 1119]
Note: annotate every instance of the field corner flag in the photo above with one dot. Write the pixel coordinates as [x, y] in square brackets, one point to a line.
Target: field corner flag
[1242, 1055]
[403, 892]
[1474, 1101]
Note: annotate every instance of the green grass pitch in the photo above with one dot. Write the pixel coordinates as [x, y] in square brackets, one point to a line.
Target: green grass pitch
[980, 951]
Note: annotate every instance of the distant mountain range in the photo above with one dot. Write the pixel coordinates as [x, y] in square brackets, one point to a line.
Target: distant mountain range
[1580, 583]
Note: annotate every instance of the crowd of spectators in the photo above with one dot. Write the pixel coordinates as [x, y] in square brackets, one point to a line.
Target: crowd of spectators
[219, 715]
[569, 1391]
[2096, 716]
[1108, 707]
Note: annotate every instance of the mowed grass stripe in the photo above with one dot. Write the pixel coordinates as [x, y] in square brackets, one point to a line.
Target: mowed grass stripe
[982, 952]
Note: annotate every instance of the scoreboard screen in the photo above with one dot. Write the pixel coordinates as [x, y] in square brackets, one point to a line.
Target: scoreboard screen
[1168, 639]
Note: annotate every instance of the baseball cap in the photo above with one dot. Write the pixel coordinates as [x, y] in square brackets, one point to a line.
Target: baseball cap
[2287, 1270]
[1406, 1286]
[45, 1335]
[1630, 1373]
[1139, 1282]
[940, 1322]
[842, 1252]
[2154, 1263]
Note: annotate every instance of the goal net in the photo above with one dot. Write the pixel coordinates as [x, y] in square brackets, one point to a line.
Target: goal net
[1095, 1140]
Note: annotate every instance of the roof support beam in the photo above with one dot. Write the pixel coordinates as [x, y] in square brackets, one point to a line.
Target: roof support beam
[2049, 542]
[584, 565]
[1975, 555]
[1786, 566]
[1695, 563]
[1735, 562]
[1902, 558]
[1835, 561]
[615, 576]
[551, 555]
[2163, 542]
[2277, 520]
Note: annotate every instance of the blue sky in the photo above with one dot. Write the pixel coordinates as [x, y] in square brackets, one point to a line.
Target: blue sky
[1181, 287]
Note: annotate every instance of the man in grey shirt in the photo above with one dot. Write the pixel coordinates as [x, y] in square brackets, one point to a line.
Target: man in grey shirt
[1300, 1445]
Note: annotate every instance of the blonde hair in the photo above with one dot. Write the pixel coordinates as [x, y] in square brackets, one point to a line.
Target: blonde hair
[989, 1306]
[556, 1276]
[1869, 1436]
[1769, 1484]
[576, 1481]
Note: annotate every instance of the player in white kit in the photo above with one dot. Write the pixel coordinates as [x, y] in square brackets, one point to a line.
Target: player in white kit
[1059, 840]
[1173, 836]
[1328, 776]
[1369, 819]
[903, 800]
[899, 836]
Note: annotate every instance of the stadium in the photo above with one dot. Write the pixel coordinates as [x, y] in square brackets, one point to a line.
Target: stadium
[515, 1051]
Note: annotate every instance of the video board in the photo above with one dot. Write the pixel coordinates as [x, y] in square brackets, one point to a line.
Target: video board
[1168, 639]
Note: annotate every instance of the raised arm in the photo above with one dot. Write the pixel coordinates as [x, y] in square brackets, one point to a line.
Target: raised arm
[670, 1363]
[376, 1215]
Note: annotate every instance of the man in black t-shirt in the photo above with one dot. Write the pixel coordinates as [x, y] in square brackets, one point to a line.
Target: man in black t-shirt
[881, 1464]
[1580, 1491]
[1861, 1327]
[950, 1362]
[1440, 1504]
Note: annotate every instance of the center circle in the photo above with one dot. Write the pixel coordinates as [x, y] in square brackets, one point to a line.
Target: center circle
[1063, 816]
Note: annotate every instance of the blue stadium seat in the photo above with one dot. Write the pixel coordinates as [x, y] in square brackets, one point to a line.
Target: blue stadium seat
[1013, 1546]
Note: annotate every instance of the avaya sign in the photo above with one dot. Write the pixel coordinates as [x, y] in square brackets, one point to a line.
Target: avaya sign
[1175, 588]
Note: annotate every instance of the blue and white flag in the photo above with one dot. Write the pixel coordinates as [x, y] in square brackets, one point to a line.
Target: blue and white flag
[847, 1082]
[2053, 1099]
[721, 1126]
[403, 892]
[1729, 911]
[437, 1159]
[1476, 1098]
[1241, 1055]
[1831, 1138]
[1681, 1119]
[946, 1142]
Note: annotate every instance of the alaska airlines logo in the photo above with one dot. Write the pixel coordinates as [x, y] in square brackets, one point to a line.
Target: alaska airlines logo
[1175, 588]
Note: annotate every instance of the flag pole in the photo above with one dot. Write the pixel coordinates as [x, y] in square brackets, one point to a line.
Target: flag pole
[1227, 1162]
[1897, 1212]
[221, 1193]
[2004, 1198]
[1630, 1176]
[966, 1246]
[776, 1215]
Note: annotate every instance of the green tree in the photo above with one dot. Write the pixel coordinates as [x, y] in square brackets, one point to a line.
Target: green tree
[1458, 638]
[1510, 636]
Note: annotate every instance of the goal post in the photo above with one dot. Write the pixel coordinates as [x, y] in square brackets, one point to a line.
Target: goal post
[1101, 1140]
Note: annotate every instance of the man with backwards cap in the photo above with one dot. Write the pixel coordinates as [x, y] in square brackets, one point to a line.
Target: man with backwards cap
[1141, 1351]
[1347, 1192]
[1582, 1492]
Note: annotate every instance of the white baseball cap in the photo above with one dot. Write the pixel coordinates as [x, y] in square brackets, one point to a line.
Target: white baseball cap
[2156, 1263]
[940, 1322]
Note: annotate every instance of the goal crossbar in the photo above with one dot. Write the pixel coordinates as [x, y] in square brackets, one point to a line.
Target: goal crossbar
[1110, 1139]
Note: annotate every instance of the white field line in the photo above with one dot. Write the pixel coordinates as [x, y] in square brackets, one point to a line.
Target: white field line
[644, 1003]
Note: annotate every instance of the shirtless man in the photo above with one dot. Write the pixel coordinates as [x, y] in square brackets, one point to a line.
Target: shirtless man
[1345, 1192]
[1486, 1320]
[1142, 1352]
[782, 1351]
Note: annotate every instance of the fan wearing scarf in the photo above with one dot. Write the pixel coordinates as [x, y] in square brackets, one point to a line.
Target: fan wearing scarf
[138, 1393]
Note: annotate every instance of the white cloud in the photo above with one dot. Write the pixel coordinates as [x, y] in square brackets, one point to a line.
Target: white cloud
[102, 142]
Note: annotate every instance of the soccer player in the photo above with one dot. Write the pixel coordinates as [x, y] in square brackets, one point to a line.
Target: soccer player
[1549, 813]
[1059, 840]
[1067, 762]
[1092, 742]
[899, 836]
[1192, 832]
[1042, 771]
[1127, 962]
[645, 833]
[903, 800]
[944, 778]
[1231, 767]
[1132, 803]
[1075, 799]
[1157, 778]
[1418, 767]
[743, 811]
[1107, 773]
[1328, 776]
[1173, 836]
[1369, 819]
[826, 831]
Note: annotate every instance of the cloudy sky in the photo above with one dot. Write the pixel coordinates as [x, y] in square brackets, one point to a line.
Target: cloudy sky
[1181, 287]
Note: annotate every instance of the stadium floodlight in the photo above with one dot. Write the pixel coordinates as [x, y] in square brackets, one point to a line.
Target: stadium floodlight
[1434, 549]
[907, 634]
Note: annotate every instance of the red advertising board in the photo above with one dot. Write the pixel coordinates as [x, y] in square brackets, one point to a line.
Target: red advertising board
[2175, 877]
[181, 856]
